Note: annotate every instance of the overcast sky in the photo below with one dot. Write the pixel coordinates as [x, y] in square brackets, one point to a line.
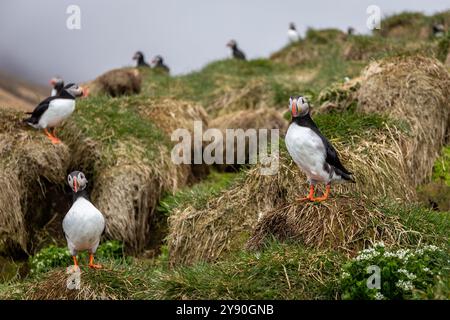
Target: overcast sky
[36, 44]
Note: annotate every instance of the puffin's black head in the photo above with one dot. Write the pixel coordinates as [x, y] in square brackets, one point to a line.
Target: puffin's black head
[57, 83]
[77, 181]
[139, 56]
[75, 90]
[158, 60]
[292, 26]
[298, 106]
[232, 44]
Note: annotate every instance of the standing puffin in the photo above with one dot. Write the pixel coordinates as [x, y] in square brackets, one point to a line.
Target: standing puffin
[57, 84]
[311, 151]
[83, 224]
[292, 33]
[52, 111]
[237, 54]
[158, 63]
[139, 57]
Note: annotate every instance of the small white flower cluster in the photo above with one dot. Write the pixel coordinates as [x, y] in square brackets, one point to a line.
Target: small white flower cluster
[408, 274]
[345, 275]
[379, 296]
[405, 285]
[367, 254]
[402, 254]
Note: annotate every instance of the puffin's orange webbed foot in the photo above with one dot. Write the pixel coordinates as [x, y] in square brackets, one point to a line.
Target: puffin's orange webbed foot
[91, 263]
[75, 267]
[325, 196]
[310, 196]
[52, 138]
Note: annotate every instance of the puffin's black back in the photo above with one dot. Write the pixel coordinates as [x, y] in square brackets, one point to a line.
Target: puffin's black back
[331, 156]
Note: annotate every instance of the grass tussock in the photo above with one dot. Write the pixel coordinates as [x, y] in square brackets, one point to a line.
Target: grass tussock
[118, 82]
[29, 164]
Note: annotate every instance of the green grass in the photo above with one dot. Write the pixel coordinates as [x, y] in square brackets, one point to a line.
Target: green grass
[431, 227]
[282, 271]
[198, 194]
[110, 120]
[441, 169]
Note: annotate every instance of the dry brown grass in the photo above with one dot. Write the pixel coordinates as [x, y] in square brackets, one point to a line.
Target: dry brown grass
[345, 223]
[416, 90]
[297, 54]
[103, 284]
[118, 82]
[254, 95]
[29, 163]
[171, 114]
[387, 162]
[247, 119]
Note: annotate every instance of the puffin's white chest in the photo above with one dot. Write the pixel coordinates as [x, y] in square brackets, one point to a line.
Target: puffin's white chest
[307, 150]
[83, 225]
[58, 111]
[293, 35]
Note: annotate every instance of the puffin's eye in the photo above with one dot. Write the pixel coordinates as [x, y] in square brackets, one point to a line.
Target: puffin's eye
[81, 176]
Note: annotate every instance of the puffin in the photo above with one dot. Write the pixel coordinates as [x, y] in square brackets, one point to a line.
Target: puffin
[52, 111]
[438, 29]
[139, 57]
[237, 53]
[292, 33]
[350, 31]
[158, 63]
[57, 84]
[312, 152]
[84, 224]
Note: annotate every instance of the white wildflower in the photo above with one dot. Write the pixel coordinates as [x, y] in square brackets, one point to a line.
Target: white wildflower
[405, 285]
[379, 296]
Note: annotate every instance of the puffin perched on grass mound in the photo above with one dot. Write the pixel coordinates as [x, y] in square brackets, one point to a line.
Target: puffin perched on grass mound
[158, 64]
[237, 53]
[57, 84]
[312, 152]
[52, 111]
[84, 224]
[140, 60]
[292, 33]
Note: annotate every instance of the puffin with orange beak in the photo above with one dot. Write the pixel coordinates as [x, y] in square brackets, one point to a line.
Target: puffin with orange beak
[312, 152]
[57, 84]
[83, 224]
[52, 111]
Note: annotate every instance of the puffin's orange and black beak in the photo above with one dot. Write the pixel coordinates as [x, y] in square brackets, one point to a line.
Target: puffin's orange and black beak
[294, 108]
[85, 91]
[75, 185]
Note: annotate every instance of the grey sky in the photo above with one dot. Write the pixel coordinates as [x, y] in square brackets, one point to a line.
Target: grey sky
[35, 43]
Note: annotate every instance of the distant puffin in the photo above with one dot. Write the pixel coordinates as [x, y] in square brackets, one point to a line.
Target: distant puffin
[52, 111]
[438, 29]
[83, 224]
[158, 63]
[311, 151]
[350, 31]
[237, 53]
[292, 33]
[57, 84]
[139, 57]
